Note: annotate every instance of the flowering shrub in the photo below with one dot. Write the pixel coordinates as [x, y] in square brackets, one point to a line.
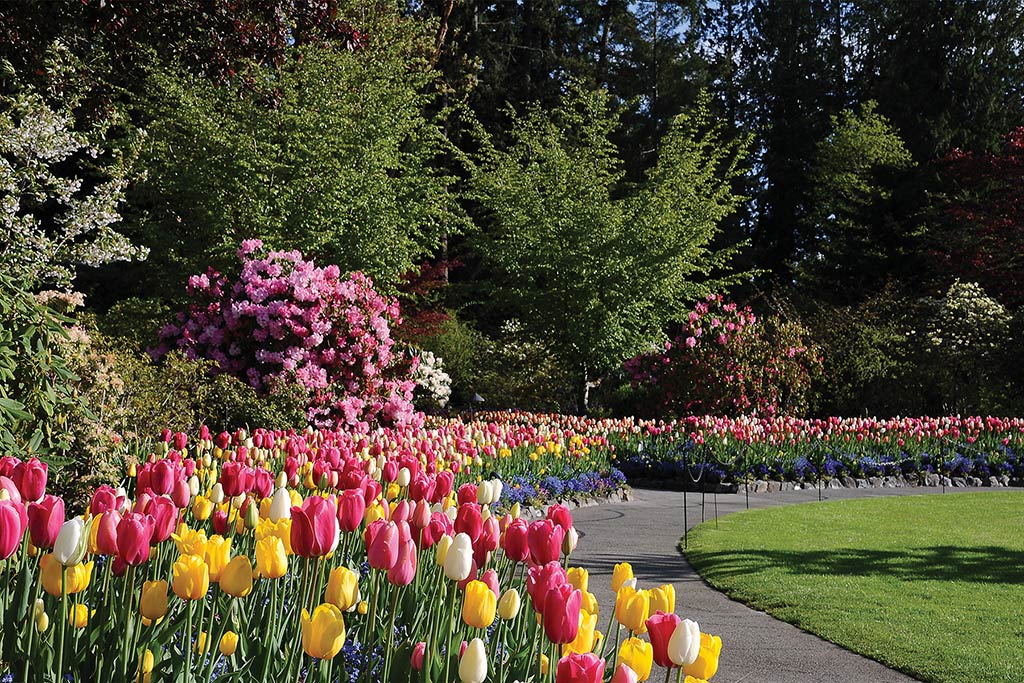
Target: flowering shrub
[435, 384]
[968, 323]
[286, 320]
[722, 361]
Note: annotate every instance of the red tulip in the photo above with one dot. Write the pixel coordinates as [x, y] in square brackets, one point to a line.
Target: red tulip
[660, 627]
[545, 541]
[560, 515]
[236, 478]
[515, 542]
[541, 579]
[45, 519]
[13, 520]
[467, 494]
[220, 522]
[490, 577]
[181, 494]
[404, 569]
[419, 652]
[105, 498]
[314, 527]
[562, 613]
[6, 484]
[468, 520]
[106, 533]
[165, 518]
[580, 668]
[351, 508]
[30, 476]
[443, 486]
[382, 544]
[162, 476]
[134, 536]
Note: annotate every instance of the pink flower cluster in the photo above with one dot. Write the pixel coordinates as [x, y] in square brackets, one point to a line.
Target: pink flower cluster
[287, 320]
[723, 361]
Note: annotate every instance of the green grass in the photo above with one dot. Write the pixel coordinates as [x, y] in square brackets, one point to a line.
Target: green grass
[930, 585]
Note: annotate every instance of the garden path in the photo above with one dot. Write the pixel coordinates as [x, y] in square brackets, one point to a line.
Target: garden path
[757, 648]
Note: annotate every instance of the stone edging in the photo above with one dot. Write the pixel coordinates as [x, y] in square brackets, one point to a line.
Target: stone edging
[773, 486]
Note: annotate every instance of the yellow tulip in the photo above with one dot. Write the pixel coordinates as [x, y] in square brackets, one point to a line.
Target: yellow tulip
[189, 541]
[373, 513]
[589, 603]
[271, 559]
[153, 605]
[638, 655]
[579, 578]
[479, 605]
[584, 642]
[77, 578]
[342, 588]
[323, 634]
[663, 598]
[508, 606]
[78, 616]
[201, 644]
[148, 661]
[236, 579]
[281, 529]
[218, 553]
[202, 508]
[191, 577]
[706, 664]
[228, 643]
[622, 573]
[632, 607]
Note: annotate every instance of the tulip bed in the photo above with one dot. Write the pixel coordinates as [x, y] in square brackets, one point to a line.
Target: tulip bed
[325, 555]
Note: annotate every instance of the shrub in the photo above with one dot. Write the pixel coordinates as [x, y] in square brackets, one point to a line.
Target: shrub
[724, 361]
[285, 320]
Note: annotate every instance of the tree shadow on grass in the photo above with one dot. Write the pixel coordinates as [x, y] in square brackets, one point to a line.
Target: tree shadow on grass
[986, 564]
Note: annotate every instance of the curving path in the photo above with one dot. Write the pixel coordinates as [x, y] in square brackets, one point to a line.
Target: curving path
[757, 648]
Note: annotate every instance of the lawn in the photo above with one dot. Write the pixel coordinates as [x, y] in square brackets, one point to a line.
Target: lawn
[930, 585]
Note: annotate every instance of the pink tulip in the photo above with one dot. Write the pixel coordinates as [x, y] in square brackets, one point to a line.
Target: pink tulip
[515, 543]
[580, 668]
[381, 540]
[134, 536]
[403, 571]
[351, 508]
[562, 613]
[30, 476]
[45, 519]
[660, 628]
[106, 533]
[13, 521]
[314, 527]
[545, 541]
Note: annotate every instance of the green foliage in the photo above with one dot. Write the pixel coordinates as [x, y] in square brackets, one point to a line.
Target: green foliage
[853, 237]
[37, 398]
[330, 154]
[592, 268]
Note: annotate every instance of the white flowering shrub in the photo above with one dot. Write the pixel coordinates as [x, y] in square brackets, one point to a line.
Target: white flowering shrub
[968, 323]
[52, 221]
[433, 383]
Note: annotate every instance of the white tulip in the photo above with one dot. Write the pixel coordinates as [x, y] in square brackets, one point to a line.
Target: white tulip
[569, 542]
[193, 485]
[280, 505]
[459, 560]
[483, 493]
[282, 480]
[684, 645]
[496, 487]
[473, 665]
[72, 542]
[217, 494]
[403, 477]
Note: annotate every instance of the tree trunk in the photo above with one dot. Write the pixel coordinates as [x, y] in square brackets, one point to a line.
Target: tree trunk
[583, 397]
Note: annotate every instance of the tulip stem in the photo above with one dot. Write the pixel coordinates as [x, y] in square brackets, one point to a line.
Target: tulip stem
[668, 674]
[391, 632]
[679, 675]
[188, 640]
[451, 631]
[63, 621]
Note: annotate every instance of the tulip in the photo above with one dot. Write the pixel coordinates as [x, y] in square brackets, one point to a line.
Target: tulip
[381, 540]
[515, 542]
[585, 637]
[30, 478]
[541, 580]
[7, 487]
[578, 577]
[134, 534]
[315, 527]
[458, 561]
[468, 521]
[638, 656]
[78, 616]
[479, 605]
[13, 521]
[706, 664]
[632, 608]
[561, 516]
[42, 622]
[271, 560]
[684, 645]
[508, 606]
[660, 627]
[404, 570]
[76, 577]
[228, 643]
[622, 573]
[444, 543]
[342, 588]
[153, 604]
[663, 599]
[280, 506]
[236, 579]
[189, 541]
[623, 674]
[579, 668]
[72, 542]
[419, 652]
[490, 577]
[217, 556]
[105, 533]
[473, 665]
[323, 634]
[45, 520]
[191, 577]
[590, 603]
[202, 508]
[545, 541]
[562, 613]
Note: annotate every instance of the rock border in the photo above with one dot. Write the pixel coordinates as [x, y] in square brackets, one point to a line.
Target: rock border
[759, 486]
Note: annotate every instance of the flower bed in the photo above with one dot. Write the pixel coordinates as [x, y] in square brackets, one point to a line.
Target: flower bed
[323, 555]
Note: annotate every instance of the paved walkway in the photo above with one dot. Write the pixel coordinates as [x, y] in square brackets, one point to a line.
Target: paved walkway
[756, 647]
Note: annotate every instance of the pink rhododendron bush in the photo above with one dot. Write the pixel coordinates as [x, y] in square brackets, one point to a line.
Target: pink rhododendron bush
[286, 320]
[724, 361]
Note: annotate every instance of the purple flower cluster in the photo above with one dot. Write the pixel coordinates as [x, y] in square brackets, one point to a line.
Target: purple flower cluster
[286, 320]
